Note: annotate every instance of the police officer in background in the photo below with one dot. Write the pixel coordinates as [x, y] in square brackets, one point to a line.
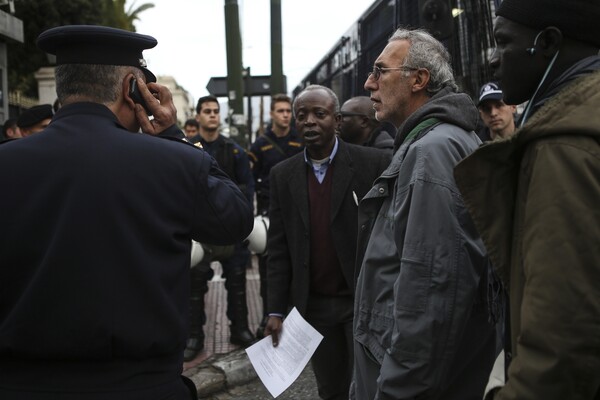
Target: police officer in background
[232, 159]
[95, 251]
[497, 116]
[10, 130]
[35, 119]
[191, 129]
[279, 142]
[359, 126]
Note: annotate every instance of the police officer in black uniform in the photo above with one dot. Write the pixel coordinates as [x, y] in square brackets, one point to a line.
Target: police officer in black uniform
[96, 231]
[232, 159]
[35, 119]
[279, 142]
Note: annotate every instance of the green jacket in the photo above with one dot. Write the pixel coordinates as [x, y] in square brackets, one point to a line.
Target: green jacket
[535, 198]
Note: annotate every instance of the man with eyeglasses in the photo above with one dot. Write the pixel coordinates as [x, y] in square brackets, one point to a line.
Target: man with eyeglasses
[359, 126]
[421, 322]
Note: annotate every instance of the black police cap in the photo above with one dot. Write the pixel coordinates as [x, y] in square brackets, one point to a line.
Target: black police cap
[91, 44]
[35, 114]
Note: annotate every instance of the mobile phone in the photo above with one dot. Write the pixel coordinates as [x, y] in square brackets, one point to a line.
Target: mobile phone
[136, 96]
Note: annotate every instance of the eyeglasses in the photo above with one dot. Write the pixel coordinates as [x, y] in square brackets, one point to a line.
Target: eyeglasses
[351, 114]
[376, 73]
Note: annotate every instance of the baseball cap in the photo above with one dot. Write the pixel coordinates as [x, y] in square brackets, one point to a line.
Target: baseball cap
[489, 91]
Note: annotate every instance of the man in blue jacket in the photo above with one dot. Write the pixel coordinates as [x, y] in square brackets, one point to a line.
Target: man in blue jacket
[96, 230]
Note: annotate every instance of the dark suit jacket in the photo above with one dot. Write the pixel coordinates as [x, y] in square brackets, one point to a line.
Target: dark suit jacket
[288, 243]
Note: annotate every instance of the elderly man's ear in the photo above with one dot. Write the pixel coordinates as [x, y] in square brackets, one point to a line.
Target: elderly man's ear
[421, 80]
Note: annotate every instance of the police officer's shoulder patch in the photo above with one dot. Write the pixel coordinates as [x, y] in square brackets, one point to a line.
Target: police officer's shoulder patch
[295, 144]
[266, 148]
[183, 141]
[235, 147]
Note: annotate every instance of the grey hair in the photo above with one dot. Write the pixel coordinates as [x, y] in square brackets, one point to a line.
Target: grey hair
[92, 82]
[330, 92]
[427, 52]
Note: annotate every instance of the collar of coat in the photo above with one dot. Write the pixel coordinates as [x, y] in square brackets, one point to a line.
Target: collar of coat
[492, 172]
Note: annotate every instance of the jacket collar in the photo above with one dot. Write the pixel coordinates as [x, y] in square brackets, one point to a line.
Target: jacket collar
[85, 108]
[488, 178]
[343, 174]
[573, 110]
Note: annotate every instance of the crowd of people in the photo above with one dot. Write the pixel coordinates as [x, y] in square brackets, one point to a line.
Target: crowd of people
[445, 248]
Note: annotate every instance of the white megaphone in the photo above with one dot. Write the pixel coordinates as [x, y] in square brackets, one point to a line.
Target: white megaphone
[257, 240]
[197, 253]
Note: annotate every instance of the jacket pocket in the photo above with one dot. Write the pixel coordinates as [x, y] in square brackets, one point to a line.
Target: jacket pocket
[412, 286]
[374, 329]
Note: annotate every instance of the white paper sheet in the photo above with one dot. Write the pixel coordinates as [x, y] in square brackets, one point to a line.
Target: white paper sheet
[278, 367]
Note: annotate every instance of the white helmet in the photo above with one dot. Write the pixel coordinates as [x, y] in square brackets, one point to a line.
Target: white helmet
[257, 240]
[197, 253]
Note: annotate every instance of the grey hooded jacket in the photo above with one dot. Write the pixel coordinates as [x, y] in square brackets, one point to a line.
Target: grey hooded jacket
[420, 310]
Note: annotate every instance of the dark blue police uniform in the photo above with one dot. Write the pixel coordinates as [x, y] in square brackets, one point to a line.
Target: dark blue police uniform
[267, 151]
[233, 160]
[95, 237]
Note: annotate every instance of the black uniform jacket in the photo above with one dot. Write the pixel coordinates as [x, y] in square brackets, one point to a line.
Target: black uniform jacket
[288, 243]
[96, 225]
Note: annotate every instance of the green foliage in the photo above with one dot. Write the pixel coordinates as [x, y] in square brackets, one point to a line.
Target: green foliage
[118, 17]
[38, 15]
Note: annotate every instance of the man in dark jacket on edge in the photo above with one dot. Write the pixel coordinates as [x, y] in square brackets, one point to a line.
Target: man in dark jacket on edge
[96, 230]
[421, 322]
[535, 199]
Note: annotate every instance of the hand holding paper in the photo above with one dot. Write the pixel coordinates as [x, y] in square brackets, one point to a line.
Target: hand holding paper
[273, 329]
[279, 366]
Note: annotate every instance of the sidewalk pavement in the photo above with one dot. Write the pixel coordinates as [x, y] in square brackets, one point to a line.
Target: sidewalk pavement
[222, 364]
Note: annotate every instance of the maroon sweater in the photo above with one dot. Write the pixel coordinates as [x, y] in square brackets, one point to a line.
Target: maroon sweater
[326, 276]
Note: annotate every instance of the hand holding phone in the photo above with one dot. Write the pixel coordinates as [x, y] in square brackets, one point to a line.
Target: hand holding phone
[136, 96]
[156, 100]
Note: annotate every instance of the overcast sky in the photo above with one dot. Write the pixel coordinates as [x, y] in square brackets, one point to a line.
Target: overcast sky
[191, 36]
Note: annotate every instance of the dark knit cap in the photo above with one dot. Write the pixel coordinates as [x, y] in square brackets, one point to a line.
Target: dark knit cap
[34, 115]
[577, 19]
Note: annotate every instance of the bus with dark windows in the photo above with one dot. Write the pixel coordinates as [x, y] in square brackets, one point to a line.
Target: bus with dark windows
[464, 26]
